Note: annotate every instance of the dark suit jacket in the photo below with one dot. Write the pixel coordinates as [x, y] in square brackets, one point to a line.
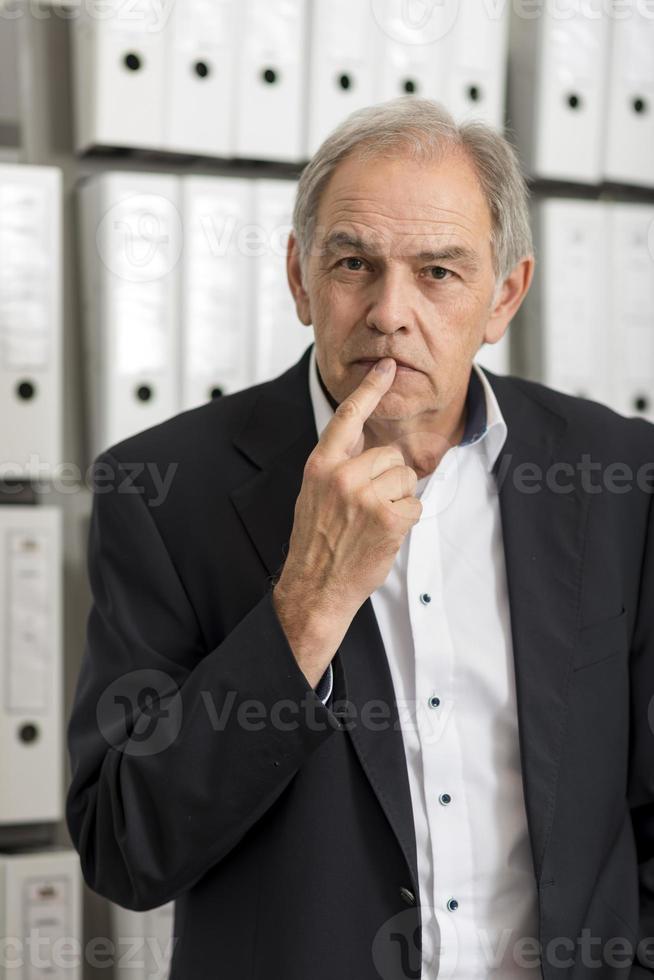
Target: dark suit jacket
[284, 829]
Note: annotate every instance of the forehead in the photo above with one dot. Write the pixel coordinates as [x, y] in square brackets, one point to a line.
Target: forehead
[406, 203]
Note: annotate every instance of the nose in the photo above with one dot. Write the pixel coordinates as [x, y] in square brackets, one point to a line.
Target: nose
[390, 308]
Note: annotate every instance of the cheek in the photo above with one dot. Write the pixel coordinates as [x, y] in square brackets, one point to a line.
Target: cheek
[335, 307]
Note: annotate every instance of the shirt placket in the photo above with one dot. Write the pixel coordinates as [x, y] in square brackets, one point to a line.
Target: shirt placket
[449, 944]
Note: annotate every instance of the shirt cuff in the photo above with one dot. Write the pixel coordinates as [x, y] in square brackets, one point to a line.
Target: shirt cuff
[325, 684]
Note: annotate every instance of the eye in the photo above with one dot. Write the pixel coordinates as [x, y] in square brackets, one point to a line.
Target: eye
[351, 265]
[432, 271]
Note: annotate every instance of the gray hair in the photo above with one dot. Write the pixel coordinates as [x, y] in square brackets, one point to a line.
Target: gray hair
[426, 129]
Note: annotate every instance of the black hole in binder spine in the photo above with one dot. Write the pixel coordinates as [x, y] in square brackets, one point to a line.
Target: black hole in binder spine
[410, 86]
[474, 93]
[345, 81]
[640, 105]
[28, 733]
[25, 390]
[574, 101]
[202, 69]
[641, 403]
[270, 76]
[216, 392]
[132, 61]
[144, 393]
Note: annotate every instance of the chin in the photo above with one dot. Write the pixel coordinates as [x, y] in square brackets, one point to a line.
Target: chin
[394, 407]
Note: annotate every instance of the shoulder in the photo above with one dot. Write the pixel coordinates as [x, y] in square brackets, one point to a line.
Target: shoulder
[191, 431]
[586, 424]
[192, 449]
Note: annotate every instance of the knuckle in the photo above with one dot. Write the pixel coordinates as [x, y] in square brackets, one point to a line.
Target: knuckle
[348, 409]
[410, 477]
[342, 481]
[387, 519]
[313, 466]
[393, 457]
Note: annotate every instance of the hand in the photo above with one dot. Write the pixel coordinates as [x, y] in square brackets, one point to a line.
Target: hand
[351, 516]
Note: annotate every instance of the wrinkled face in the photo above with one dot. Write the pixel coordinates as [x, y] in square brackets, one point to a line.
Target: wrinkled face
[401, 265]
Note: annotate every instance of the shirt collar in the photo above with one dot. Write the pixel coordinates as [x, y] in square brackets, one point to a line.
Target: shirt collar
[485, 423]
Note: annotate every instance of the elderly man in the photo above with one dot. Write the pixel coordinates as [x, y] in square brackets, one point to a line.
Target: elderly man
[367, 692]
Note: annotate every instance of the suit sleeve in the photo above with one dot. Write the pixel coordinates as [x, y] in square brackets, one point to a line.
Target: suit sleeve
[175, 751]
[641, 763]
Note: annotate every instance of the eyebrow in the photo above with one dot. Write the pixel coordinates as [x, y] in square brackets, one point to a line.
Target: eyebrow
[341, 241]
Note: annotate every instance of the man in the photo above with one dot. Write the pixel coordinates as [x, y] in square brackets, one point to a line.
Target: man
[367, 689]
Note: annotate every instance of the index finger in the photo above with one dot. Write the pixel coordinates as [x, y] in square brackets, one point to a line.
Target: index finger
[344, 429]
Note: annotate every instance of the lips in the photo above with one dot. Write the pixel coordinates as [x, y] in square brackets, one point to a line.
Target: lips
[373, 360]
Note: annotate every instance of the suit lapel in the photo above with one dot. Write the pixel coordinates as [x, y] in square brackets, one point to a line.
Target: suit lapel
[543, 537]
[278, 438]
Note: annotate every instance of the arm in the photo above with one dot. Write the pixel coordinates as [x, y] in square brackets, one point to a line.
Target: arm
[169, 770]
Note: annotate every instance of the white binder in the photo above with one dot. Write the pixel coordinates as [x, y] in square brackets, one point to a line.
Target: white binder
[150, 935]
[342, 74]
[629, 134]
[409, 58]
[30, 320]
[201, 46]
[131, 245]
[270, 82]
[280, 336]
[630, 255]
[476, 54]
[557, 67]
[41, 913]
[564, 326]
[120, 72]
[31, 750]
[216, 324]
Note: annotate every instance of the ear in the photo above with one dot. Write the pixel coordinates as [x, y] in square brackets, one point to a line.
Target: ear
[294, 273]
[509, 298]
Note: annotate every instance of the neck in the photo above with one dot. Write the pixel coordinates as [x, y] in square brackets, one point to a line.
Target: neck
[423, 440]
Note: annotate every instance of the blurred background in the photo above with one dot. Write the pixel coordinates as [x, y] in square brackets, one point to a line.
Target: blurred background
[149, 154]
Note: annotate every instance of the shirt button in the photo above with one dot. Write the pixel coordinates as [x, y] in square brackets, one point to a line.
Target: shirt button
[452, 904]
[408, 896]
[434, 701]
[445, 798]
[425, 598]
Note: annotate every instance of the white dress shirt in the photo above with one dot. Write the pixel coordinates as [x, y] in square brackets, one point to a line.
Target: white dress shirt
[443, 615]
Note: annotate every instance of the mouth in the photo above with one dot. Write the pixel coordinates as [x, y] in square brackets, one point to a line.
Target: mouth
[401, 365]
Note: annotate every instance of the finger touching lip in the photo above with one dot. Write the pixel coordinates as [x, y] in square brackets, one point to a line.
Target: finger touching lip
[401, 365]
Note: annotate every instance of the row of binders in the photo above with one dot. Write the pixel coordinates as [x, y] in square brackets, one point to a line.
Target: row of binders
[185, 297]
[269, 79]
[587, 324]
[581, 91]
[185, 294]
